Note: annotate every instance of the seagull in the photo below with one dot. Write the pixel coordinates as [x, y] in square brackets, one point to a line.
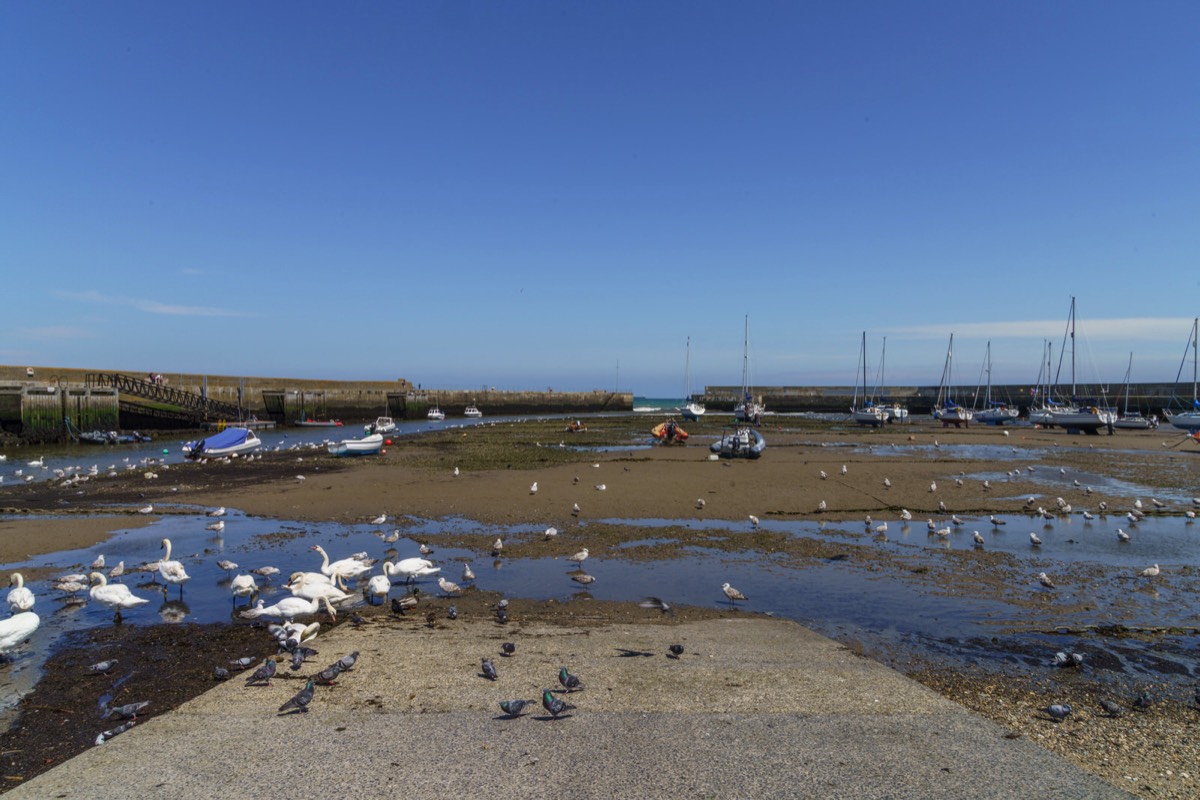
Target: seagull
[550, 533]
[456, 472]
[997, 521]
[99, 562]
[887, 484]
[905, 514]
[700, 502]
[300, 700]
[958, 482]
[941, 507]
[533, 488]
[514, 708]
[978, 537]
[554, 705]
[468, 574]
[425, 549]
[1110, 708]
[600, 487]
[844, 469]
[449, 587]
[821, 506]
[732, 593]
[823, 475]
[488, 668]
[1122, 535]
[218, 526]
[656, 602]
[216, 512]
[243, 586]
[227, 565]
[753, 521]
[570, 682]
[1044, 579]
[584, 578]
[933, 486]
[497, 547]
[1034, 540]
[580, 557]
[102, 667]
[1059, 712]
[146, 509]
[380, 520]
[1150, 572]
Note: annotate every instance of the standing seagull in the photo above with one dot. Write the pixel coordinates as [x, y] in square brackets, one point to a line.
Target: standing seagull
[533, 488]
[732, 593]
[580, 557]
[449, 587]
[1044, 580]
[1150, 572]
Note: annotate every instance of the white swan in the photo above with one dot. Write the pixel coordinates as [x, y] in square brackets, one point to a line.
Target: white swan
[172, 571]
[288, 608]
[16, 629]
[346, 567]
[410, 568]
[115, 595]
[243, 586]
[378, 587]
[318, 591]
[19, 599]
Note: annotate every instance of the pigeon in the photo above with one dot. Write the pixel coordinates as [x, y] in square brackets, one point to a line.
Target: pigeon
[1143, 701]
[347, 662]
[554, 705]
[502, 615]
[1059, 712]
[357, 620]
[102, 667]
[514, 708]
[297, 658]
[242, 663]
[263, 673]
[300, 700]
[104, 736]
[328, 676]
[452, 612]
[675, 651]
[488, 668]
[657, 602]
[1110, 708]
[127, 711]
[570, 682]
[220, 673]
[507, 649]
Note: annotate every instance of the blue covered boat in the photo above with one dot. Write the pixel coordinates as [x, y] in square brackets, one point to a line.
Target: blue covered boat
[741, 441]
[229, 442]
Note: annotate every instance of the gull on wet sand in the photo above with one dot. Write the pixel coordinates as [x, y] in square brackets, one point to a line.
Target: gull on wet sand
[1150, 572]
[580, 557]
[1034, 539]
[449, 587]
[656, 602]
[732, 593]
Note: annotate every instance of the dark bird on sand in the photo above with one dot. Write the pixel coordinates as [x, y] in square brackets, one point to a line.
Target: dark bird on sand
[1143, 701]
[328, 676]
[452, 612]
[676, 650]
[347, 662]
[502, 615]
[656, 602]
[1059, 712]
[297, 659]
[127, 711]
[488, 668]
[554, 705]
[514, 708]
[263, 673]
[1110, 708]
[402, 604]
[220, 673]
[357, 620]
[300, 700]
[508, 648]
[570, 682]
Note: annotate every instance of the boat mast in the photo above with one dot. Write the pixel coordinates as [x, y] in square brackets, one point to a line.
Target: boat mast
[864, 366]
[1195, 331]
[746, 363]
[1072, 349]
[1128, 373]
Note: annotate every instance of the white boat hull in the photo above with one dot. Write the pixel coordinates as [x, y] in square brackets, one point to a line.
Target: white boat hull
[1136, 422]
[366, 446]
[875, 416]
[997, 416]
[741, 443]
[1084, 419]
[692, 411]
[1184, 420]
[954, 416]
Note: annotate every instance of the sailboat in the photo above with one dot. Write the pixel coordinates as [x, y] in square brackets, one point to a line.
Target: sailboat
[434, 413]
[1088, 417]
[869, 413]
[945, 409]
[994, 412]
[1188, 420]
[747, 410]
[1041, 412]
[1133, 420]
[690, 410]
[896, 411]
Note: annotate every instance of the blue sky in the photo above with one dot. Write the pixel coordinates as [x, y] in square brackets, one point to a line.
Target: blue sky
[525, 195]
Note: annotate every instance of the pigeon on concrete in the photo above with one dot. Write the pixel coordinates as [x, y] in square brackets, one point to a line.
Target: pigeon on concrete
[488, 668]
[514, 708]
[300, 700]
[1059, 712]
[554, 705]
[570, 682]
[676, 650]
[264, 673]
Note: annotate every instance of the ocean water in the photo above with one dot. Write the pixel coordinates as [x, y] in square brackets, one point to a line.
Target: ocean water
[655, 405]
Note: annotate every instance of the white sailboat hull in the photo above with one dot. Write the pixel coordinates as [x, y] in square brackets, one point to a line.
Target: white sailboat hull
[875, 416]
[1083, 418]
[1184, 420]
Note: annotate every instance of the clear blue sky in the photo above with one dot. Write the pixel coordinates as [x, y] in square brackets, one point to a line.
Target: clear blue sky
[524, 195]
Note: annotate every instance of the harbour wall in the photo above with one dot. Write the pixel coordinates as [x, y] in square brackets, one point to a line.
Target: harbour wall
[34, 401]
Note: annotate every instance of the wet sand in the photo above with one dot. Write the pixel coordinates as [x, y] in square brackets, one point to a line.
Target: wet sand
[498, 464]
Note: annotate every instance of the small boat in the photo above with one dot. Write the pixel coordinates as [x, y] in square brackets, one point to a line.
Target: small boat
[576, 427]
[310, 422]
[868, 413]
[1086, 416]
[112, 437]
[472, 411]
[382, 425]
[231, 441]
[1187, 419]
[669, 432]
[994, 412]
[1133, 420]
[435, 413]
[747, 410]
[740, 441]
[690, 410]
[366, 446]
[945, 409]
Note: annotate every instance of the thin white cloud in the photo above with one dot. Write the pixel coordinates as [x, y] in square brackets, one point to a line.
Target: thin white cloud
[1154, 329]
[152, 306]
